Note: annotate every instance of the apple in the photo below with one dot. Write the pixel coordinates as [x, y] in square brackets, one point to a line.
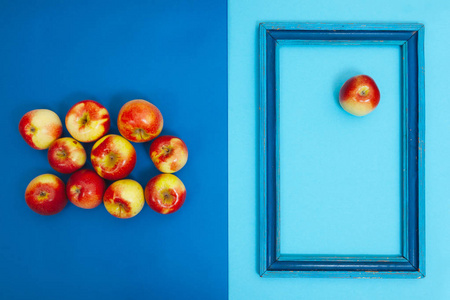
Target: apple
[87, 121]
[46, 194]
[85, 189]
[359, 95]
[124, 198]
[165, 193]
[66, 155]
[139, 121]
[168, 153]
[40, 127]
[113, 157]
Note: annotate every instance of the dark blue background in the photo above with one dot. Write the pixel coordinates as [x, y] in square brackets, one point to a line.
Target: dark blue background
[172, 53]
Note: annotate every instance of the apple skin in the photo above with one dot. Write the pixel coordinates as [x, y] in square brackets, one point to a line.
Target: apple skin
[85, 189]
[87, 121]
[66, 155]
[139, 121]
[113, 157]
[359, 95]
[168, 153]
[40, 128]
[46, 195]
[165, 193]
[124, 198]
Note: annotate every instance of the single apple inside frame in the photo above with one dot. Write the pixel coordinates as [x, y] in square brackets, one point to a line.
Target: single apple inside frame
[359, 95]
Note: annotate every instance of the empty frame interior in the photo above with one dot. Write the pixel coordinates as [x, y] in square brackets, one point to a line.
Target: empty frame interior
[352, 185]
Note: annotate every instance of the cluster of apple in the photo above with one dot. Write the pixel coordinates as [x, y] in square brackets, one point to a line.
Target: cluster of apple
[113, 158]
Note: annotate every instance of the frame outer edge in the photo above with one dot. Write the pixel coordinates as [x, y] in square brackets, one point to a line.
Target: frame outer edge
[421, 147]
[419, 29]
[341, 26]
[343, 274]
[263, 161]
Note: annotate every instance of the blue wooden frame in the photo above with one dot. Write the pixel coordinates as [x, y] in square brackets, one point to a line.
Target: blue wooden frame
[411, 263]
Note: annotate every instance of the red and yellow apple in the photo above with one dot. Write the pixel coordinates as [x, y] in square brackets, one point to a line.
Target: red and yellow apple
[66, 155]
[165, 193]
[124, 198]
[113, 157]
[40, 127]
[46, 194]
[139, 121]
[87, 121]
[168, 153]
[85, 189]
[359, 95]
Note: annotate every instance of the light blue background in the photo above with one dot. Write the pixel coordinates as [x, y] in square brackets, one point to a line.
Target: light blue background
[244, 17]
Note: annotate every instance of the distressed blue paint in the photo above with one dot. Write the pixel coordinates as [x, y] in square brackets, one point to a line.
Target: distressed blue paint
[411, 264]
[341, 42]
[341, 258]
[421, 113]
[343, 26]
[337, 265]
[363, 35]
[405, 130]
[277, 148]
[344, 274]
[412, 148]
[263, 156]
[271, 149]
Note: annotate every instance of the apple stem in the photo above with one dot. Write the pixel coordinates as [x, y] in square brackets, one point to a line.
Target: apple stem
[364, 91]
[167, 198]
[85, 119]
[142, 134]
[61, 153]
[166, 149]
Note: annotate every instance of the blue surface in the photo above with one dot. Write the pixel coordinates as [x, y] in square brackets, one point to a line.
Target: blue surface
[244, 18]
[55, 53]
